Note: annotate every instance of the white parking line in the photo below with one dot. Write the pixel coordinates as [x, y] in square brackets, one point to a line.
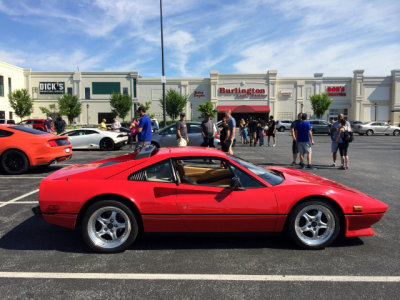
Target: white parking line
[18, 198]
[20, 202]
[22, 177]
[200, 277]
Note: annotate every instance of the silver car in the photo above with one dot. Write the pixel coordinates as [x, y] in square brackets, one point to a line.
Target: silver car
[283, 125]
[166, 137]
[377, 128]
[94, 138]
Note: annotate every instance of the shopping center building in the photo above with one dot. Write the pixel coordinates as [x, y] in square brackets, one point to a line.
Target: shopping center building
[359, 97]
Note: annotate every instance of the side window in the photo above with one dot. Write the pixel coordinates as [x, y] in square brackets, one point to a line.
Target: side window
[374, 124]
[246, 180]
[35, 122]
[194, 128]
[5, 133]
[75, 133]
[90, 132]
[159, 172]
[171, 130]
[204, 171]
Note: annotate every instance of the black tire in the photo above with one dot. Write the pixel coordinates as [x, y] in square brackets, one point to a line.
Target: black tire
[14, 162]
[303, 224]
[396, 132]
[99, 236]
[369, 132]
[106, 144]
[155, 145]
[281, 129]
[361, 134]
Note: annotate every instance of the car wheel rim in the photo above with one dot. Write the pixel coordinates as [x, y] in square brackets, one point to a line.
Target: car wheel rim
[109, 227]
[314, 225]
[107, 144]
[397, 133]
[14, 162]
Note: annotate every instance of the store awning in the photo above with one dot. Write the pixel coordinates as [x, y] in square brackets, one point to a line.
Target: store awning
[244, 108]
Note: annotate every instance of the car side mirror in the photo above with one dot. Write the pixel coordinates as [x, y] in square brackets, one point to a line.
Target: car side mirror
[235, 184]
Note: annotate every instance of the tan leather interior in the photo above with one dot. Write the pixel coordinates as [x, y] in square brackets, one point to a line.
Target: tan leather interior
[205, 176]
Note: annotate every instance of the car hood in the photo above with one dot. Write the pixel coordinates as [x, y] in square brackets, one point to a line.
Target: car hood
[299, 177]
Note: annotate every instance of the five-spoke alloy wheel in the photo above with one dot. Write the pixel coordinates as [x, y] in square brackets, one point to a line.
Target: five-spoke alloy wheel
[109, 226]
[313, 224]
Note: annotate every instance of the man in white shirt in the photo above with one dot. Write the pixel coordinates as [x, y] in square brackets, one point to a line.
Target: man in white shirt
[115, 125]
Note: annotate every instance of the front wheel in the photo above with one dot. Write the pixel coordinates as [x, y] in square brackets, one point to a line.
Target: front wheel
[281, 129]
[396, 132]
[313, 224]
[106, 144]
[369, 132]
[14, 162]
[109, 226]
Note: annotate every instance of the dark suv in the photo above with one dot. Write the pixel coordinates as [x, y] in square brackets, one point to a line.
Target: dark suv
[319, 126]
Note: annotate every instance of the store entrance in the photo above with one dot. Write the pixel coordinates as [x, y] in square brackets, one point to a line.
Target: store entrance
[246, 116]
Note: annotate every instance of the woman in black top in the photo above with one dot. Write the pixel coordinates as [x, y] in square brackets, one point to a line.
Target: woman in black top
[224, 132]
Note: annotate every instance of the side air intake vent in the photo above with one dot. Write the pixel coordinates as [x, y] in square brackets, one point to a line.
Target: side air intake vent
[138, 176]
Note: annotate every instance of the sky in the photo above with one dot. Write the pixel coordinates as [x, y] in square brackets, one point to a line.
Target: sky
[295, 37]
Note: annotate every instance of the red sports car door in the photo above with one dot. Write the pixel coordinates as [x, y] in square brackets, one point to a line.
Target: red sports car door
[219, 209]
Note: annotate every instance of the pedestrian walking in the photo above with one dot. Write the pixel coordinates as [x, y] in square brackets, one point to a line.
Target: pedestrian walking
[261, 132]
[242, 125]
[133, 133]
[181, 131]
[343, 139]
[207, 131]
[271, 130]
[232, 130]
[143, 130]
[295, 149]
[252, 131]
[47, 125]
[60, 124]
[245, 134]
[334, 133]
[156, 126]
[305, 140]
[223, 134]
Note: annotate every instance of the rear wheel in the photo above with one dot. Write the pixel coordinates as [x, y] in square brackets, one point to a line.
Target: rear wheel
[396, 132]
[106, 144]
[14, 162]
[369, 132]
[109, 226]
[313, 224]
[155, 145]
[281, 129]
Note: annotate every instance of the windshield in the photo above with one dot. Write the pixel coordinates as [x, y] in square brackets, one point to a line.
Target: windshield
[265, 174]
[27, 130]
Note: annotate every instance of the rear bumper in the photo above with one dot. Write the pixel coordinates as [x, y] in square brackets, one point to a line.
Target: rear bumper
[52, 155]
[360, 225]
[63, 220]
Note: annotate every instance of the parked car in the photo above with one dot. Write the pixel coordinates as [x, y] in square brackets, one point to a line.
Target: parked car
[22, 148]
[283, 125]
[5, 121]
[354, 125]
[377, 128]
[320, 126]
[94, 138]
[166, 137]
[37, 124]
[197, 189]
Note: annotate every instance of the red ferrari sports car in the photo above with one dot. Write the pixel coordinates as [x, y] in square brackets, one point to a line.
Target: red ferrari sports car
[190, 189]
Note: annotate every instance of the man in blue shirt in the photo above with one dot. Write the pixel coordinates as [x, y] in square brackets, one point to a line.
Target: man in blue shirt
[143, 130]
[232, 127]
[304, 140]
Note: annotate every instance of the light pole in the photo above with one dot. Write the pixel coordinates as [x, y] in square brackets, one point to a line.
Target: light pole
[376, 111]
[163, 73]
[87, 113]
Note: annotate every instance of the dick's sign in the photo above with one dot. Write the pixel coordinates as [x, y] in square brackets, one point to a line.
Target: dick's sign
[52, 87]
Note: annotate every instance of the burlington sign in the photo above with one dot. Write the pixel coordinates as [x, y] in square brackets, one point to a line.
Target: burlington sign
[52, 87]
[238, 92]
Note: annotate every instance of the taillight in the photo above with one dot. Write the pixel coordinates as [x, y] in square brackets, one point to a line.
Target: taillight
[359, 126]
[52, 143]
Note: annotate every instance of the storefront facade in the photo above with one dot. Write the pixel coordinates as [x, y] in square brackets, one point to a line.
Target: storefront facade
[359, 97]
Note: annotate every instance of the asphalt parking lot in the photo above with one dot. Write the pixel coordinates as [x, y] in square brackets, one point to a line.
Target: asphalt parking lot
[42, 261]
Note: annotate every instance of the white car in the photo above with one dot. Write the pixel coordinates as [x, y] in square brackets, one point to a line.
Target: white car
[93, 138]
[283, 125]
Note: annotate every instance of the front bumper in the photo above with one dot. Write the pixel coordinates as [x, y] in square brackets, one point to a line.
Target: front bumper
[360, 225]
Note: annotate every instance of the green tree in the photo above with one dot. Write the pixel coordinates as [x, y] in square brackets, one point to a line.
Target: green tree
[69, 106]
[21, 103]
[147, 105]
[52, 111]
[174, 103]
[320, 104]
[121, 104]
[207, 107]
